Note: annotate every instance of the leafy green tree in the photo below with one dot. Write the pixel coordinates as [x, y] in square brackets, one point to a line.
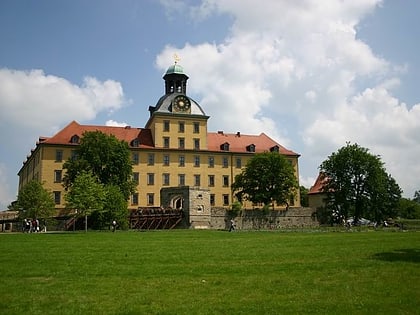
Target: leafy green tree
[304, 201]
[417, 196]
[115, 208]
[85, 196]
[409, 209]
[358, 185]
[267, 178]
[34, 201]
[108, 158]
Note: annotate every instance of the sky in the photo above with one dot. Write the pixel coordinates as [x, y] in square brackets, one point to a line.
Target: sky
[313, 75]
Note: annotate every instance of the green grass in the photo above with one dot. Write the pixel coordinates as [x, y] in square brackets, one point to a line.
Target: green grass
[210, 272]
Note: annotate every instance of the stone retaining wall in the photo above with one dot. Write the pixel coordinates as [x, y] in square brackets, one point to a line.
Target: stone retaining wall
[257, 219]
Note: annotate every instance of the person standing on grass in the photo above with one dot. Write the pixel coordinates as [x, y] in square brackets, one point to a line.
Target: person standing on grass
[114, 225]
[232, 225]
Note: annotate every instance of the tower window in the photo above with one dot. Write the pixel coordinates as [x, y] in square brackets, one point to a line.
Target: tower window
[151, 159]
[211, 161]
[211, 180]
[197, 180]
[181, 127]
[135, 199]
[135, 158]
[196, 127]
[197, 144]
[150, 179]
[166, 125]
[165, 179]
[225, 180]
[166, 142]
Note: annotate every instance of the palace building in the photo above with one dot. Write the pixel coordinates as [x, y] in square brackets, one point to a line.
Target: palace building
[174, 149]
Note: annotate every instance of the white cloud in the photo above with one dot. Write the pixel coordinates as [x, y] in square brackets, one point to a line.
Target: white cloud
[113, 123]
[34, 104]
[293, 70]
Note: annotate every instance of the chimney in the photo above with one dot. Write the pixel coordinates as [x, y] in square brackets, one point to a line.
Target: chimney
[238, 134]
[220, 132]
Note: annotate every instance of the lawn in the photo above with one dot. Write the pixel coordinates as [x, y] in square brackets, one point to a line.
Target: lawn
[210, 272]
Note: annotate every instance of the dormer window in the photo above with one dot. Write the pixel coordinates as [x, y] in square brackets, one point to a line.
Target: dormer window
[274, 149]
[251, 148]
[75, 139]
[224, 147]
[135, 143]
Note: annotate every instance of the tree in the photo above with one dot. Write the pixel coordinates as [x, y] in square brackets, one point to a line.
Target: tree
[108, 158]
[267, 178]
[86, 195]
[409, 209]
[357, 185]
[115, 208]
[304, 202]
[417, 196]
[34, 201]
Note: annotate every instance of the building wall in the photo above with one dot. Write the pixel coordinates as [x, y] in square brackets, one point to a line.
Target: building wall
[44, 167]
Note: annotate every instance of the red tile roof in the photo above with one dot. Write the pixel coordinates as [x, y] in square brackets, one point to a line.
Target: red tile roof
[318, 185]
[127, 134]
[237, 142]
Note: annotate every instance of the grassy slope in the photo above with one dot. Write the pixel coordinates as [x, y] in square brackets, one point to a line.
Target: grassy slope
[210, 272]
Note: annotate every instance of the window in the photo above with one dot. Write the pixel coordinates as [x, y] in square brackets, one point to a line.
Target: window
[135, 199]
[225, 180]
[274, 149]
[197, 144]
[166, 159]
[181, 127]
[165, 179]
[166, 125]
[211, 180]
[73, 155]
[238, 163]
[181, 160]
[75, 139]
[166, 142]
[224, 146]
[197, 180]
[136, 177]
[181, 179]
[196, 127]
[57, 176]
[251, 148]
[225, 161]
[135, 143]
[211, 161]
[59, 155]
[197, 161]
[150, 199]
[57, 197]
[151, 159]
[225, 200]
[150, 178]
[135, 158]
[212, 200]
[181, 143]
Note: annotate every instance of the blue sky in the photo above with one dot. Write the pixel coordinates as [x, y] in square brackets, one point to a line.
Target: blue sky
[310, 74]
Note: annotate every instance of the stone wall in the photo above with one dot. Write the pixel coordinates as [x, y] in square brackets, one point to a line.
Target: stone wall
[257, 219]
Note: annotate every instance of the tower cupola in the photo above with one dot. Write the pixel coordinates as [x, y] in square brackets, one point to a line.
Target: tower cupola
[175, 79]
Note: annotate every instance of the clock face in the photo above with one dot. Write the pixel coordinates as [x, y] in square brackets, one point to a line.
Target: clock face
[181, 103]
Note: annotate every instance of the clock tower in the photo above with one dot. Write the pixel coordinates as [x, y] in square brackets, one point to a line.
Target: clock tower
[177, 121]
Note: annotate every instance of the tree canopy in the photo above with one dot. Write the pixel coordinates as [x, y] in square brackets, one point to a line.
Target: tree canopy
[106, 157]
[357, 185]
[34, 201]
[267, 178]
[86, 195]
